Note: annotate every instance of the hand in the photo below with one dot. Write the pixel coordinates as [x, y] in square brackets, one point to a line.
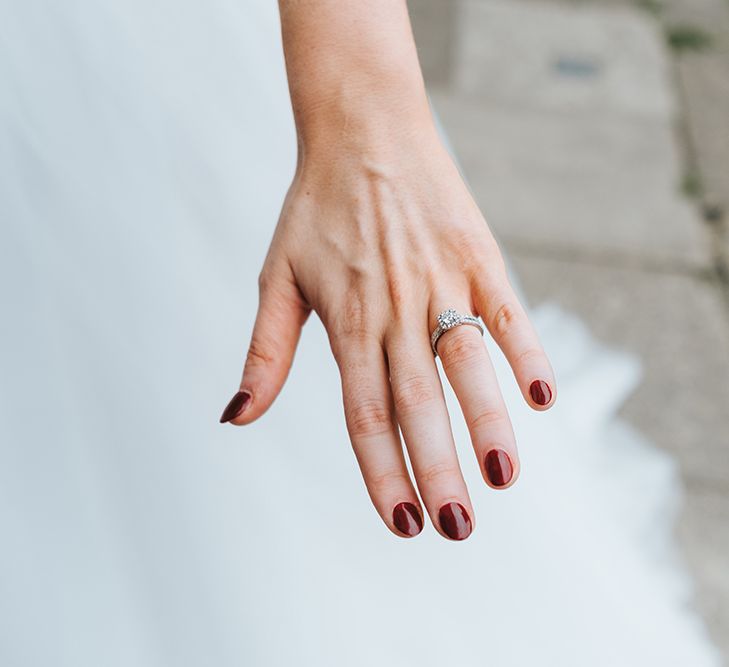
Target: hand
[378, 235]
[378, 244]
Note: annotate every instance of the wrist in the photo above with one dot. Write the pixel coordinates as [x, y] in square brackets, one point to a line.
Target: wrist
[362, 114]
[353, 73]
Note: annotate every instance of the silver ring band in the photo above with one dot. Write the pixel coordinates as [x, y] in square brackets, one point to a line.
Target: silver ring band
[449, 319]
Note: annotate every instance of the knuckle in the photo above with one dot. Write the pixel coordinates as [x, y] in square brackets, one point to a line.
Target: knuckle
[487, 417]
[414, 393]
[435, 471]
[277, 284]
[504, 320]
[476, 248]
[264, 279]
[387, 479]
[259, 354]
[400, 297]
[528, 354]
[460, 347]
[368, 418]
[355, 315]
[351, 322]
[344, 343]
[463, 234]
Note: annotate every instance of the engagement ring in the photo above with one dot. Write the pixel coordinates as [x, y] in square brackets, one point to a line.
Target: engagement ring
[450, 319]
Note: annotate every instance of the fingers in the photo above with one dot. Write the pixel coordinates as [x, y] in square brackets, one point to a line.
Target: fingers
[423, 418]
[281, 315]
[471, 374]
[510, 327]
[370, 417]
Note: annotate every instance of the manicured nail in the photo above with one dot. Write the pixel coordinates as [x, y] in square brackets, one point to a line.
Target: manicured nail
[498, 467]
[237, 404]
[407, 519]
[454, 521]
[540, 392]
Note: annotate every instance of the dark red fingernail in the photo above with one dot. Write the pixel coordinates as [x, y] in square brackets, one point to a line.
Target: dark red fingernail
[540, 392]
[498, 467]
[407, 519]
[237, 404]
[454, 521]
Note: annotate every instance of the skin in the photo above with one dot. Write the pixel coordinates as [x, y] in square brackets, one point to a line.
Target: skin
[378, 200]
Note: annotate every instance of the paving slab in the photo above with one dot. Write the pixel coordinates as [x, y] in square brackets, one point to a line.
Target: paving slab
[576, 100]
[564, 57]
[706, 14]
[705, 81]
[586, 179]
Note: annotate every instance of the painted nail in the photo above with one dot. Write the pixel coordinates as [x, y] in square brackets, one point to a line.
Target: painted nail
[237, 404]
[540, 392]
[407, 519]
[498, 467]
[454, 521]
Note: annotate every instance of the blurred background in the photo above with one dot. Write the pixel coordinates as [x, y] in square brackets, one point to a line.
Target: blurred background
[595, 136]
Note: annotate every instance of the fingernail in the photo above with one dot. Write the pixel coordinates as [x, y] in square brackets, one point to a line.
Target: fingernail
[498, 467]
[454, 521]
[237, 404]
[407, 519]
[540, 392]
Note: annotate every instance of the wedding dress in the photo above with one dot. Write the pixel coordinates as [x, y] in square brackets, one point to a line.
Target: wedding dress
[144, 152]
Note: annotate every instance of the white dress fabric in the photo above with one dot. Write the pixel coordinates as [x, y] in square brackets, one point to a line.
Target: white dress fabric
[145, 149]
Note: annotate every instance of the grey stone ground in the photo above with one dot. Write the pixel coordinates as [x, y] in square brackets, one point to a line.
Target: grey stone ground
[576, 127]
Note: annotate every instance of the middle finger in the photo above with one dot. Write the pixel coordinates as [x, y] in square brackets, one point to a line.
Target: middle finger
[421, 412]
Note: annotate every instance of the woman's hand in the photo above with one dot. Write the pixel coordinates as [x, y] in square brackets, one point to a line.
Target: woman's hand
[378, 235]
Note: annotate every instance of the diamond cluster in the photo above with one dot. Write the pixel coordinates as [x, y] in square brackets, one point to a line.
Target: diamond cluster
[449, 319]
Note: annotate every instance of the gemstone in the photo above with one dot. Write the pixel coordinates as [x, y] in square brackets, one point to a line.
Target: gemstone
[449, 319]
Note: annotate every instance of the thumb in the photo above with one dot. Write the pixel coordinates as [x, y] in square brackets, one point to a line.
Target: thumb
[282, 312]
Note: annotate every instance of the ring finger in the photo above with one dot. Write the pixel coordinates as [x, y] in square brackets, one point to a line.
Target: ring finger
[469, 370]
